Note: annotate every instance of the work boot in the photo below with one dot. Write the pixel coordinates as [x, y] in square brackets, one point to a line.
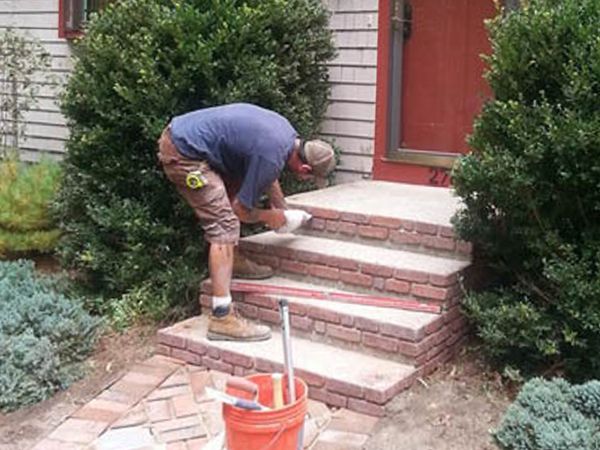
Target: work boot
[235, 328]
[247, 269]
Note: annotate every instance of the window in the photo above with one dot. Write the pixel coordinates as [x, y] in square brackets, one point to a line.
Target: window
[73, 14]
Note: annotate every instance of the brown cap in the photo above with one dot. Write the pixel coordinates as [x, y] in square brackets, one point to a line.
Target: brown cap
[319, 155]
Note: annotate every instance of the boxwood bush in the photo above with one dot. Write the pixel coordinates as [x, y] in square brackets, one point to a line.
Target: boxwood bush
[140, 63]
[552, 415]
[531, 189]
[26, 193]
[44, 336]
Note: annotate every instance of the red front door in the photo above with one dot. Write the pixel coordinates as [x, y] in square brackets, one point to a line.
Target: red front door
[442, 88]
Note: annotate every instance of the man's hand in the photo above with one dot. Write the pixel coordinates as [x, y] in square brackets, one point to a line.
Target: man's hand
[273, 218]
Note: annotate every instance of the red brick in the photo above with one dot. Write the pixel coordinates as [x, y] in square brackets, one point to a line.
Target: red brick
[294, 267]
[439, 243]
[330, 273]
[312, 379]
[158, 410]
[239, 371]
[333, 226]
[324, 213]
[354, 217]
[387, 222]
[347, 228]
[269, 315]
[403, 237]
[347, 321]
[184, 405]
[401, 332]
[434, 326]
[426, 228]
[180, 434]
[307, 256]
[408, 225]
[364, 407]
[341, 263]
[452, 314]
[301, 322]
[326, 315]
[298, 309]
[355, 278]
[187, 356]
[345, 334]
[329, 398]
[443, 280]
[264, 301]
[318, 224]
[167, 337]
[377, 270]
[217, 365]
[401, 287]
[162, 349]
[365, 324]
[264, 365]
[411, 275]
[409, 348]
[372, 232]
[446, 232]
[101, 411]
[214, 352]
[431, 292]
[132, 389]
[196, 444]
[237, 359]
[78, 431]
[198, 381]
[346, 389]
[380, 342]
[320, 326]
[249, 311]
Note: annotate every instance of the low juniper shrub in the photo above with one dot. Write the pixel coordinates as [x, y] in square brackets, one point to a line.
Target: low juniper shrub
[44, 336]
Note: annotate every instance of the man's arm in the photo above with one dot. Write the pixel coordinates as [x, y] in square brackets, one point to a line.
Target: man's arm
[273, 218]
[276, 196]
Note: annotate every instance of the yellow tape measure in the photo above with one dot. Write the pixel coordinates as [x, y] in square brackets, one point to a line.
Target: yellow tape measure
[196, 180]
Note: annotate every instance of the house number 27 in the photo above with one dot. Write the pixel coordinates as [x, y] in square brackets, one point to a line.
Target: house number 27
[439, 176]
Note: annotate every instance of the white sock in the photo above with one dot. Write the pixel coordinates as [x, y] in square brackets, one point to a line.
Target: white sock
[220, 305]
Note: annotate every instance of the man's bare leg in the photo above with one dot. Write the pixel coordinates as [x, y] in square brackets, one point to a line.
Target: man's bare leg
[224, 324]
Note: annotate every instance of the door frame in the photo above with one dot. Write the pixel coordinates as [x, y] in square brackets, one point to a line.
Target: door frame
[388, 101]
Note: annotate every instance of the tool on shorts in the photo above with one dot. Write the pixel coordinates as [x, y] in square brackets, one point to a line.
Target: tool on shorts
[222, 397]
[196, 179]
[284, 310]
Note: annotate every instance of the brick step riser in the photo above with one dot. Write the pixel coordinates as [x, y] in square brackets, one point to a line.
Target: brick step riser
[404, 345]
[396, 233]
[350, 275]
[330, 391]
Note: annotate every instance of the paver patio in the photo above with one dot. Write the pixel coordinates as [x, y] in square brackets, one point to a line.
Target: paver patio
[161, 404]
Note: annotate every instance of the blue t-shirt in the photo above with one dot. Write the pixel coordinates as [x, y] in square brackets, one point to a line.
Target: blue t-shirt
[242, 141]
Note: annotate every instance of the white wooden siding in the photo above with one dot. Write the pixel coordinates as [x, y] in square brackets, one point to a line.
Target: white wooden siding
[46, 132]
[350, 118]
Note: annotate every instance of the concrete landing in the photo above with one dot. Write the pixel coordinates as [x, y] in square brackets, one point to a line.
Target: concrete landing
[338, 377]
[424, 204]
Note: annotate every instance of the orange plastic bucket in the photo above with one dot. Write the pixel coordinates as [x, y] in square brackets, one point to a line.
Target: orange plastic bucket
[280, 429]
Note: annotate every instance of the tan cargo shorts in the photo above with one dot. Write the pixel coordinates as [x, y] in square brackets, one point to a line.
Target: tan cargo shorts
[210, 203]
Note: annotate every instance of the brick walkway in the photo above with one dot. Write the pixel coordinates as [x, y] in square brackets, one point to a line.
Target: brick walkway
[161, 405]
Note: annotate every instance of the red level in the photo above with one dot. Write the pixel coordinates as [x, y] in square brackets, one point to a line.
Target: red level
[342, 297]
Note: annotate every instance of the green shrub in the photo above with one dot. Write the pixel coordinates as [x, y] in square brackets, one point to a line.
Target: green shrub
[552, 415]
[26, 192]
[530, 188]
[140, 63]
[44, 336]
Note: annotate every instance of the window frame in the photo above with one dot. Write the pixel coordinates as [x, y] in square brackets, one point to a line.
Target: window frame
[65, 6]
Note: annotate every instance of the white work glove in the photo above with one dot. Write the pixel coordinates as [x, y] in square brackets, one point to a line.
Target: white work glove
[294, 219]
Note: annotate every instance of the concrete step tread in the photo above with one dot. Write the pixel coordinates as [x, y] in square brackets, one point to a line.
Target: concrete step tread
[393, 258]
[393, 316]
[425, 204]
[323, 360]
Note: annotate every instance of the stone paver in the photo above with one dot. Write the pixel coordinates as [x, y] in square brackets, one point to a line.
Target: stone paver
[172, 412]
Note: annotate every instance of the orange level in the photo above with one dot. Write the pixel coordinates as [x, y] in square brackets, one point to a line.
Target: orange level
[342, 297]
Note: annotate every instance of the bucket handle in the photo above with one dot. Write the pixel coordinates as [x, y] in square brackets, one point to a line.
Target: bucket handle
[278, 435]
